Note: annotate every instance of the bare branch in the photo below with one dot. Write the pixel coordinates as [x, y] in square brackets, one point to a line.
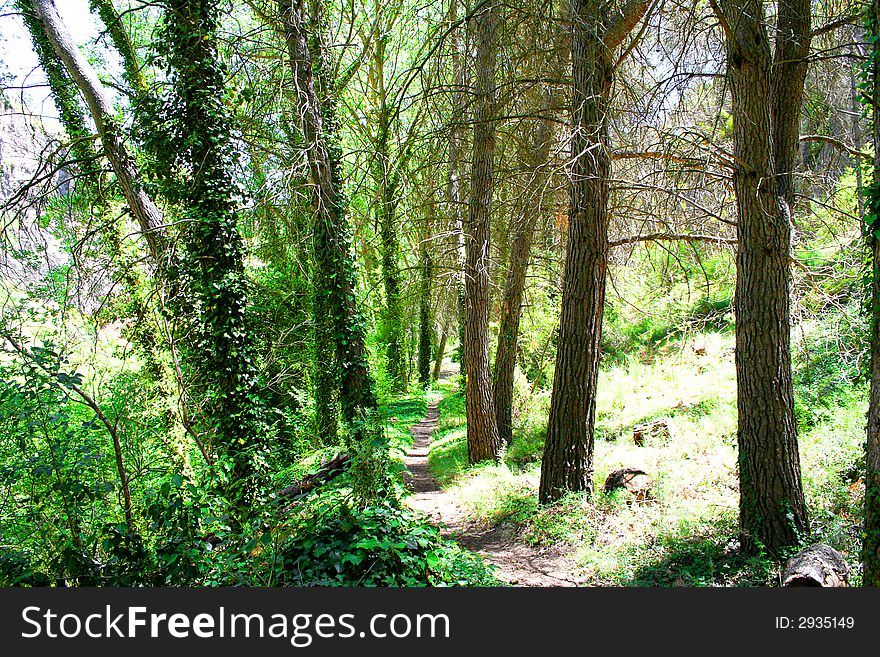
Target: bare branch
[671, 237]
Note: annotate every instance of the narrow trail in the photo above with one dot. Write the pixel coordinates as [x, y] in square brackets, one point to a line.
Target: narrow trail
[518, 563]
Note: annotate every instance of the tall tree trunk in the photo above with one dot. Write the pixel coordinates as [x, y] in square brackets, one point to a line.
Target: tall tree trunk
[336, 292]
[534, 161]
[121, 41]
[441, 350]
[482, 429]
[332, 242]
[454, 188]
[329, 239]
[426, 272]
[393, 317]
[220, 349]
[66, 95]
[144, 210]
[386, 174]
[787, 92]
[567, 464]
[871, 545]
[772, 509]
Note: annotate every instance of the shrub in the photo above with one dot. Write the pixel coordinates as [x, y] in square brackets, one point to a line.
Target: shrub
[331, 543]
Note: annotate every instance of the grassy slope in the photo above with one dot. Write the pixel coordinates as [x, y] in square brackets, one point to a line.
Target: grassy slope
[687, 536]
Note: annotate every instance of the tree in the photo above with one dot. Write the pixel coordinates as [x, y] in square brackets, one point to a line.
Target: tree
[454, 189]
[426, 280]
[482, 429]
[766, 97]
[534, 156]
[220, 354]
[386, 173]
[335, 275]
[871, 543]
[142, 206]
[568, 453]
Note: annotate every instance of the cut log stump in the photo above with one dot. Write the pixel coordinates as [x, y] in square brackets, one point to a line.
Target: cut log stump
[635, 481]
[818, 565]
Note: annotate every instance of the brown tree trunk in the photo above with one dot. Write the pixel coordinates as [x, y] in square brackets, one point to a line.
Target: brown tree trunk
[789, 74]
[522, 230]
[871, 545]
[441, 350]
[454, 191]
[426, 286]
[772, 509]
[482, 430]
[567, 464]
[568, 454]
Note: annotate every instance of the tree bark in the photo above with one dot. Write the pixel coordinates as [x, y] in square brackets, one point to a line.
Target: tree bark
[454, 188]
[441, 350]
[482, 429]
[789, 73]
[818, 565]
[142, 207]
[426, 284]
[522, 229]
[772, 509]
[871, 543]
[567, 464]
[386, 174]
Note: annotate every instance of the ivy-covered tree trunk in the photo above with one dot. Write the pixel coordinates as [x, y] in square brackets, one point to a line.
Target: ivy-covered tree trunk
[871, 543]
[334, 263]
[567, 464]
[772, 509]
[386, 174]
[219, 349]
[64, 93]
[482, 429]
[122, 42]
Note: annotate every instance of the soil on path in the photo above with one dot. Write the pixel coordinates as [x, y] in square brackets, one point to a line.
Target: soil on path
[518, 563]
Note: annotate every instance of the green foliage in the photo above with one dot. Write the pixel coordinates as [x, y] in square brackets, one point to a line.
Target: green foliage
[252, 343]
[334, 544]
[703, 561]
[685, 536]
[830, 357]
[65, 95]
[192, 147]
[688, 289]
[63, 521]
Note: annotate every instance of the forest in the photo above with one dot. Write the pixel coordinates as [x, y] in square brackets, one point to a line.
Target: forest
[408, 293]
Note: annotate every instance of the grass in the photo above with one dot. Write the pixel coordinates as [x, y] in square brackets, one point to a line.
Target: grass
[686, 536]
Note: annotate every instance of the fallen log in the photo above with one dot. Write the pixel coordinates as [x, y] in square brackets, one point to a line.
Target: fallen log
[328, 471]
[636, 482]
[818, 565]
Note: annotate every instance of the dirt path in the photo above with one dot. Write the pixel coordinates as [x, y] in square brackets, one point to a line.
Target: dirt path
[518, 563]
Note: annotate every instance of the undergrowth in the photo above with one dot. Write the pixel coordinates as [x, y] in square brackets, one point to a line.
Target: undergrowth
[687, 534]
